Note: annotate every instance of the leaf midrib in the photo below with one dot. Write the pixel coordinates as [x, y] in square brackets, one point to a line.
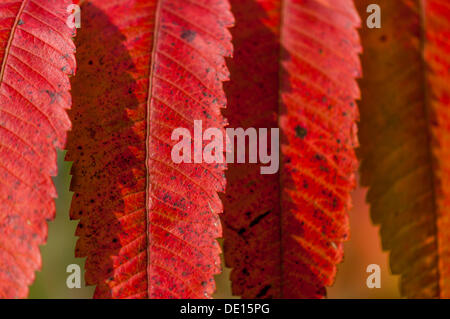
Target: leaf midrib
[427, 111]
[11, 38]
[147, 139]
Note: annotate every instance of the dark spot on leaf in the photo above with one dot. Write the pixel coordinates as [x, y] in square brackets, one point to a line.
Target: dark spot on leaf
[263, 291]
[324, 168]
[300, 131]
[188, 35]
[258, 219]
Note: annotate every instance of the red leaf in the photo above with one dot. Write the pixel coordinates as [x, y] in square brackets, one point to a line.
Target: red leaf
[36, 56]
[286, 236]
[147, 225]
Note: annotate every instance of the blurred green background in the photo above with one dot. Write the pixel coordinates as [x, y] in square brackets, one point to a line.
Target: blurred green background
[58, 253]
[364, 248]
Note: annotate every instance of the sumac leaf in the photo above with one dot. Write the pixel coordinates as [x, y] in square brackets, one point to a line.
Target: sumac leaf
[36, 58]
[147, 226]
[294, 68]
[404, 136]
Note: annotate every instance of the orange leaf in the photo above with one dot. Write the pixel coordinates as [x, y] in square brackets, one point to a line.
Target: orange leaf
[404, 134]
